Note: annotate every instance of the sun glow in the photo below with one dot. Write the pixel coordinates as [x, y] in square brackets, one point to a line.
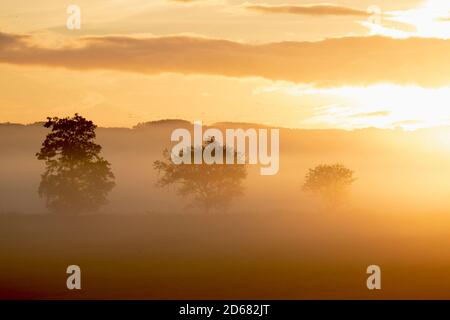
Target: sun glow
[382, 106]
[430, 19]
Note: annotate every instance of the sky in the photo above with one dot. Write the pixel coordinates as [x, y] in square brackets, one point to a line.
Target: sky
[301, 64]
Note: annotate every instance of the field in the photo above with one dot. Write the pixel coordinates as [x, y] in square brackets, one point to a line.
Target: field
[248, 256]
[275, 242]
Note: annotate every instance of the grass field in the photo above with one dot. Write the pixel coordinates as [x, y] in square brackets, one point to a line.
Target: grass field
[190, 256]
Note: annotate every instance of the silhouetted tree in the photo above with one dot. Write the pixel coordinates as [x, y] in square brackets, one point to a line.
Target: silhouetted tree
[77, 179]
[212, 186]
[330, 182]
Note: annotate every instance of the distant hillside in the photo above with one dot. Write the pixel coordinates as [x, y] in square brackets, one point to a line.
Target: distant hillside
[163, 123]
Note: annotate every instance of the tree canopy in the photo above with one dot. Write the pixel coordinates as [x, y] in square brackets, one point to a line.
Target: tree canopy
[330, 182]
[211, 186]
[76, 178]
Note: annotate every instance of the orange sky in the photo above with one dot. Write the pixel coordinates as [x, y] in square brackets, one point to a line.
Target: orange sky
[307, 64]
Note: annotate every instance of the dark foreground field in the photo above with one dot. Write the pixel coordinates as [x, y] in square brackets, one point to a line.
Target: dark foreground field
[281, 256]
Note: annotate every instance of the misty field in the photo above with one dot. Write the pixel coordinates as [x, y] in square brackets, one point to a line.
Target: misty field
[274, 242]
[253, 256]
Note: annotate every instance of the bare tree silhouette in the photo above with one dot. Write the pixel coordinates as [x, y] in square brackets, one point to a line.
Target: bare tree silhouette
[212, 186]
[77, 179]
[330, 182]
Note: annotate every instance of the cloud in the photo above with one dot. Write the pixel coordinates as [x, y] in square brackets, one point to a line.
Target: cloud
[332, 62]
[406, 122]
[313, 10]
[188, 1]
[371, 114]
[11, 40]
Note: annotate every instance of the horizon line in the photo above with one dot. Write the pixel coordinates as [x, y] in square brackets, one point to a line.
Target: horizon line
[167, 121]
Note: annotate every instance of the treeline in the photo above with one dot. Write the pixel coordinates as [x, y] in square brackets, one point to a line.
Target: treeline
[77, 179]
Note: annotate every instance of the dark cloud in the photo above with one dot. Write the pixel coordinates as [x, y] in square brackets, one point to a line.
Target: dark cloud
[340, 61]
[9, 41]
[313, 10]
